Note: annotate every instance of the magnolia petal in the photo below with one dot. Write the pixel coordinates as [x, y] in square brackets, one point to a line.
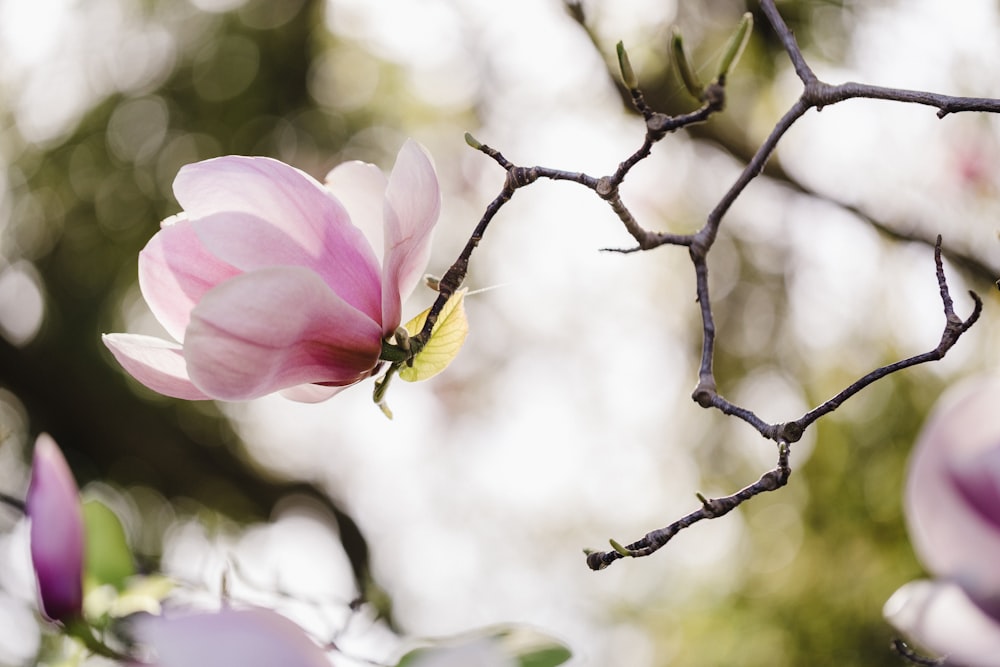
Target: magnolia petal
[276, 328]
[53, 505]
[311, 393]
[360, 187]
[940, 617]
[947, 485]
[412, 205]
[159, 364]
[245, 637]
[257, 212]
[175, 271]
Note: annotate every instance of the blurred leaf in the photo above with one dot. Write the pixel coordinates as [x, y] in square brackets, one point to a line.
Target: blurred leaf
[60, 650]
[446, 339]
[109, 558]
[489, 646]
[735, 45]
[142, 593]
[533, 648]
[545, 657]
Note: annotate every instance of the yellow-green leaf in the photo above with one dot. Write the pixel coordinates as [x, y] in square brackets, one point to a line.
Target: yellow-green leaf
[446, 339]
[109, 559]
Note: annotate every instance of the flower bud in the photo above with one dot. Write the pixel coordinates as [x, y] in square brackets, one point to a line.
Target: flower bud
[57, 546]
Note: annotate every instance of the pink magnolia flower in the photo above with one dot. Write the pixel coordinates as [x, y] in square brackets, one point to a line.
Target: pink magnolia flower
[230, 637]
[952, 504]
[266, 283]
[57, 543]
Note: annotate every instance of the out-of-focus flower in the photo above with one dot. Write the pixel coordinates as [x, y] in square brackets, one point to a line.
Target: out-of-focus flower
[482, 652]
[266, 283]
[228, 638]
[57, 545]
[952, 505]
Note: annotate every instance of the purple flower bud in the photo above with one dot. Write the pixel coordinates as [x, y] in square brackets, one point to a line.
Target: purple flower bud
[53, 505]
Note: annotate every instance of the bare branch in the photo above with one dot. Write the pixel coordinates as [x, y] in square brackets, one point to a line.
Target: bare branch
[711, 508]
[953, 329]
[816, 94]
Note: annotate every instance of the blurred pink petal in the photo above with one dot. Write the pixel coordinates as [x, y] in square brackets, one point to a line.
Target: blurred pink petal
[941, 618]
[175, 271]
[228, 638]
[413, 202]
[951, 492]
[978, 481]
[276, 328]
[156, 363]
[57, 546]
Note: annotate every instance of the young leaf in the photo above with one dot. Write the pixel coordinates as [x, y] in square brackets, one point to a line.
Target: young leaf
[684, 70]
[628, 74]
[446, 340]
[734, 47]
[109, 559]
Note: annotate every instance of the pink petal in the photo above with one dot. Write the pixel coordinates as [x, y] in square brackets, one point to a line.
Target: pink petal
[273, 329]
[257, 212]
[360, 187]
[175, 271]
[952, 470]
[977, 479]
[156, 363]
[413, 201]
[311, 393]
[940, 617]
[243, 638]
[53, 505]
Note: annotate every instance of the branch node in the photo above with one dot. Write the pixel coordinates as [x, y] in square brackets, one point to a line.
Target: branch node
[518, 177]
[704, 394]
[790, 432]
[605, 187]
[596, 560]
[715, 96]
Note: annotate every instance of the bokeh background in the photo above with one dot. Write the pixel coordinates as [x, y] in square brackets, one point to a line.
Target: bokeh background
[566, 419]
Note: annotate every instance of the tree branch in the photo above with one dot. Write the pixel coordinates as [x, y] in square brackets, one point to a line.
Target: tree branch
[816, 94]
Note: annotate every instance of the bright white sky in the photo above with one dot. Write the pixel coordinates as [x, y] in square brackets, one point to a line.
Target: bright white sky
[566, 420]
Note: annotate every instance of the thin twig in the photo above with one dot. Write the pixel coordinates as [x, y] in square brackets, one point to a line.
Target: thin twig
[954, 327]
[711, 508]
[901, 647]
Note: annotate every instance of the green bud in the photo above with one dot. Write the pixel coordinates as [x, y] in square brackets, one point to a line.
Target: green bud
[382, 386]
[628, 74]
[472, 141]
[620, 549]
[690, 79]
[734, 48]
